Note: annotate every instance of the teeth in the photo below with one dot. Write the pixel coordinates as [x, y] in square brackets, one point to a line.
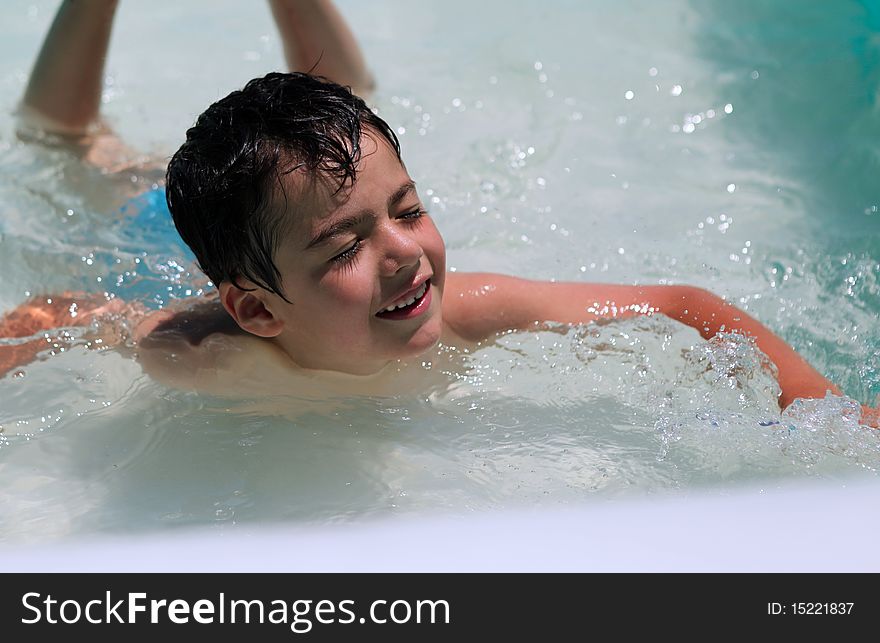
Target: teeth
[418, 294]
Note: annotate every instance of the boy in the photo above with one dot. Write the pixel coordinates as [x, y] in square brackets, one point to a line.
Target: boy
[294, 199]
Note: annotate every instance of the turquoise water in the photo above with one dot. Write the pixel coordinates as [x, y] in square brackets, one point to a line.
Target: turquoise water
[732, 147]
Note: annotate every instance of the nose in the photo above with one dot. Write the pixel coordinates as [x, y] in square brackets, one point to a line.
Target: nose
[400, 251]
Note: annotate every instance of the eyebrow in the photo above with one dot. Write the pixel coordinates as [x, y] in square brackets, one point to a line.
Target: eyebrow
[347, 223]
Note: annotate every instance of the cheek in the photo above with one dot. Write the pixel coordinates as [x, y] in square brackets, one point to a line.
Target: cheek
[343, 290]
[434, 247]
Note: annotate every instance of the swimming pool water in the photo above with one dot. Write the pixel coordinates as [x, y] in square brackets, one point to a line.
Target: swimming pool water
[730, 147]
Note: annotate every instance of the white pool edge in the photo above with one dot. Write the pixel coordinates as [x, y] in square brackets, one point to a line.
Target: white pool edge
[809, 527]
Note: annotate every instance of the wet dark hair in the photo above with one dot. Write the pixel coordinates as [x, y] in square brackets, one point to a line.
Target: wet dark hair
[223, 184]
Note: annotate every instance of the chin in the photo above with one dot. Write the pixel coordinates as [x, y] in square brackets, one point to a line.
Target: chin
[425, 338]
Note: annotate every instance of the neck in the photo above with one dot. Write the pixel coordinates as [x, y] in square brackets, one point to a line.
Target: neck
[316, 363]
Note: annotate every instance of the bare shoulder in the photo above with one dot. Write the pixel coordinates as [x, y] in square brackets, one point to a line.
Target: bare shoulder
[478, 304]
[200, 348]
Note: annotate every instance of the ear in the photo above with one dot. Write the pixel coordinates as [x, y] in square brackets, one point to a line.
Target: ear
[249, 310]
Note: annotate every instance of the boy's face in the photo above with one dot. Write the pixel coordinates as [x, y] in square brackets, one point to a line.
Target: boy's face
[349, 257]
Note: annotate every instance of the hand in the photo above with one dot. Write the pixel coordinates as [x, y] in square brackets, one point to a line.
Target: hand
[55, 312]
[870, 417]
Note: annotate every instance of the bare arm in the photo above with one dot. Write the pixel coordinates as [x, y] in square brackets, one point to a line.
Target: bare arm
[479, 304]
[64, 91]
[317, 40]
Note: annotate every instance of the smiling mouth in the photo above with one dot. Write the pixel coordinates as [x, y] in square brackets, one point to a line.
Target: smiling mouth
[410, 307]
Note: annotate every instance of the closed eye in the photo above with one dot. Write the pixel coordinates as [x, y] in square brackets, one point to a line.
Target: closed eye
[418, 213]
[349, 253]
